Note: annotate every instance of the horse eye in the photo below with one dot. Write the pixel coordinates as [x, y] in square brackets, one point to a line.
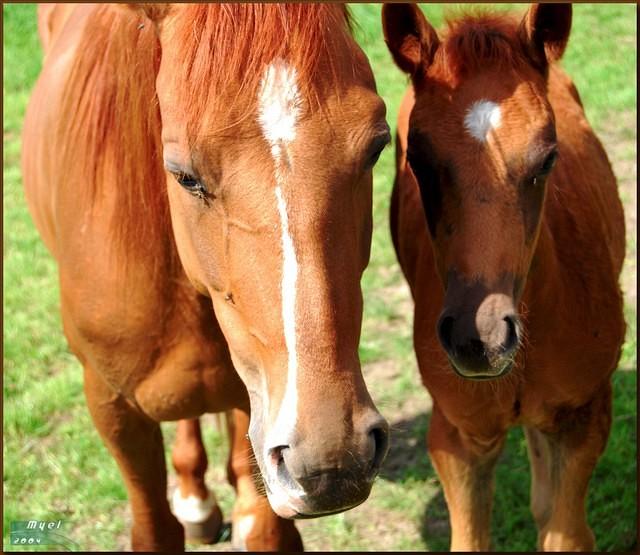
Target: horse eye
[549, 163]
[546, 167]
[374, 157]
[192, 185]
[186, 180]
[376, 150]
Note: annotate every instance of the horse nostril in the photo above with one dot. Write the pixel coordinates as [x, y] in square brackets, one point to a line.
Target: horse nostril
[276, 459]
[511, 341]
[445, 332]
[380, 436]
[275, 455]
[286, 468]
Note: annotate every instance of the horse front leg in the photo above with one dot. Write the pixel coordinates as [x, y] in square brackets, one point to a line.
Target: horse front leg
[562, 465]
[466, 471]
[255, 526]
[193, 504]
[135, 441]
[540, 455]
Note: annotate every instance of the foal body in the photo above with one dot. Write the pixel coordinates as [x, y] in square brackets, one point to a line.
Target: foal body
[485, 254]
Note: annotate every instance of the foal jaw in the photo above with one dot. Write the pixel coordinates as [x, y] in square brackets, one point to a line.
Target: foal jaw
[483, 375]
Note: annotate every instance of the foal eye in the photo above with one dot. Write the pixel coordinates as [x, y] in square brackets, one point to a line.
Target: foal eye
[549, 162]
[545, 168]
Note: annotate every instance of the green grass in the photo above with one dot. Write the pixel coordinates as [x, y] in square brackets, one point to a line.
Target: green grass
[55, 465]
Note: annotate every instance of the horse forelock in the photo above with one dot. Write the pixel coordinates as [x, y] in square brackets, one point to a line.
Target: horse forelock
[224, 48]
[479, 41]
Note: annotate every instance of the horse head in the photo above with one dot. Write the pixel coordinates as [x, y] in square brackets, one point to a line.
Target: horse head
[271, 125]
[482, 145]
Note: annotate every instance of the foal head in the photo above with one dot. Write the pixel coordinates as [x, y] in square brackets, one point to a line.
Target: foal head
[271, 126]
[481, 144]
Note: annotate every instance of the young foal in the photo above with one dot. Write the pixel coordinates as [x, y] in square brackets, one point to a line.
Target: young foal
[518, 312]
[182, 156]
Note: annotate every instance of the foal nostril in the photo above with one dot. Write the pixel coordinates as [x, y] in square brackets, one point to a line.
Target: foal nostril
[445, 332]
[379, 434]
[511, 340]
[475, 349]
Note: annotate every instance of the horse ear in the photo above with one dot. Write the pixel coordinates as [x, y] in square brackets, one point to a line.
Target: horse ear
[410, 38]
[155, 11]
[545, 31]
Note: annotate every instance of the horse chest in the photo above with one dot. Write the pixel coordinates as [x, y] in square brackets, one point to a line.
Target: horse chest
[164, 353]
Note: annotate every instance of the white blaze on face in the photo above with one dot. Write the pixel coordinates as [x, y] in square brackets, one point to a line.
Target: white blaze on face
[279, 106]
[482, 117]
[279, 110]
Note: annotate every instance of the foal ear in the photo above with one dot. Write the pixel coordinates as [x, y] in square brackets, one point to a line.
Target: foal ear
[411, 39]
[545, 30]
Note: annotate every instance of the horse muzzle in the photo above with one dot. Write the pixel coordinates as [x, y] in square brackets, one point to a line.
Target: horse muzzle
[479, 354]
[317, 477]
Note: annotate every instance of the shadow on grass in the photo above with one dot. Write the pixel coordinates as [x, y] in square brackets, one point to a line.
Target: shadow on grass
[408, 461]
[407, 458]
[612, 510]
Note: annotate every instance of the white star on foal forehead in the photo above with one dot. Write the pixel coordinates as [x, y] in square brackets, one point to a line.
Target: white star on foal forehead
[481, 117]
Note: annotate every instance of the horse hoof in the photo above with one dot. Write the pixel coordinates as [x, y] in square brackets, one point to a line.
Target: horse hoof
[209, 531]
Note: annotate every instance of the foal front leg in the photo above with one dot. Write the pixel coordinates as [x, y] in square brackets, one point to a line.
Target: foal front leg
[135, 441]
[193, 503]
[562, 464]
[255, 526]
[465, 468]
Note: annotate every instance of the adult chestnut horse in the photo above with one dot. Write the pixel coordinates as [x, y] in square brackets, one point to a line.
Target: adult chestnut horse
[518, 311]
[181, 156]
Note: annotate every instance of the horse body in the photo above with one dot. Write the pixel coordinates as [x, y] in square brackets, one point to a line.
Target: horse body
[567, 271]
[565, 286]
[144, 250]
[111, 308]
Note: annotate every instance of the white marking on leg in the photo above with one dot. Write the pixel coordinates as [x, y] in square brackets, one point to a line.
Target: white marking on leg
[482, 117]
[241, 530]
[192, 508]
[279, 105]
